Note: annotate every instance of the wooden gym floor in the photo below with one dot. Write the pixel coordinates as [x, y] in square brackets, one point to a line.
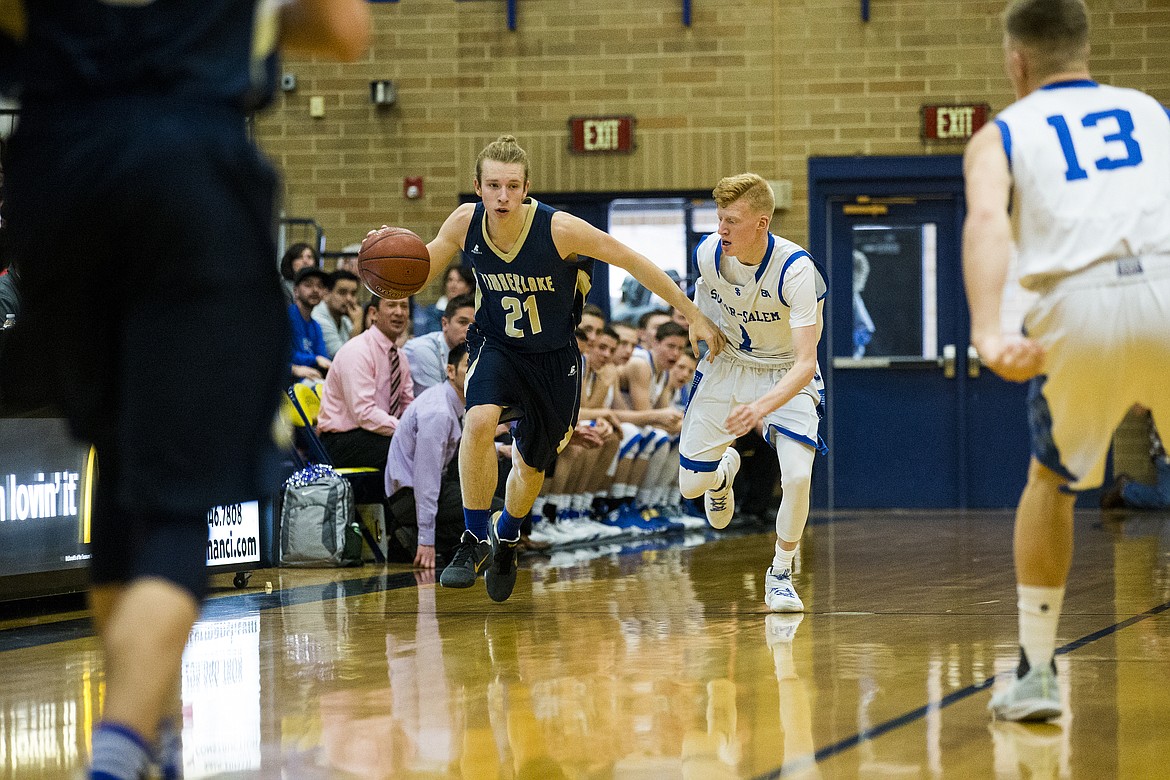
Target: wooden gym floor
[651, 662]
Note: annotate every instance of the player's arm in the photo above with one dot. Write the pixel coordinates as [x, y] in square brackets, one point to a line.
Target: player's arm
[339, 29]
[641, 412]
[639, 375]
[987, 249]
[445, 246]
[574, 236]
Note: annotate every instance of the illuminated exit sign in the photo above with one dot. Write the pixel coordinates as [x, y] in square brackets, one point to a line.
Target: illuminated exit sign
[601, 134]
[953, 123]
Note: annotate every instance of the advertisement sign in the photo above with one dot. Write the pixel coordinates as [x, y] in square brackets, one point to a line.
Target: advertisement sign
[46, 487]
[233, 534]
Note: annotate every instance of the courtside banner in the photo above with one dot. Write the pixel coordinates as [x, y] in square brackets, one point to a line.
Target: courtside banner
[46, 488]
[233, 534]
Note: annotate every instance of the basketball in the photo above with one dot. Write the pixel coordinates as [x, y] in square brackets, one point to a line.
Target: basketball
[393, 263]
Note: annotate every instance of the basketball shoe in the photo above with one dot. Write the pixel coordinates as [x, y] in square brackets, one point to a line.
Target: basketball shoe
[501, 571]
[779, 594]
[719, 502]
[467, 561]
[1033, 696]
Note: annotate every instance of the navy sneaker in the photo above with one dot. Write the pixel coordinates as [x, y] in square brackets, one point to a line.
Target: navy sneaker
[501, 571]
[467, 561]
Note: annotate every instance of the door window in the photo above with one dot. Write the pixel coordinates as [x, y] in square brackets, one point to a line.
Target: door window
[664, 230]
[895, 278]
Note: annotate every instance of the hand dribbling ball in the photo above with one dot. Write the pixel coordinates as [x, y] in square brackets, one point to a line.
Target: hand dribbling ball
[393, 263]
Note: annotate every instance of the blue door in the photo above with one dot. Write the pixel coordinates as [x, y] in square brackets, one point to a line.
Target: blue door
[912, 419]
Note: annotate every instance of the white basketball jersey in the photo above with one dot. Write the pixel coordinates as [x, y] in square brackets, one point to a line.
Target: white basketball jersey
[782, 293]
[1091, 170]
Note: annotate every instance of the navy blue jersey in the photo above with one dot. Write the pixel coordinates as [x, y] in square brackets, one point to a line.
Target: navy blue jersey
[219, 51]
[529, 298]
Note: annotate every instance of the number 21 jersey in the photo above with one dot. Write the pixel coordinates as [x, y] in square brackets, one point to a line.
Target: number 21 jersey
[529, 297]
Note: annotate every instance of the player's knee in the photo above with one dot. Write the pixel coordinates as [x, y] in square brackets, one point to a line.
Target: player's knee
[693, 484]
[796, 480]
[480, 421]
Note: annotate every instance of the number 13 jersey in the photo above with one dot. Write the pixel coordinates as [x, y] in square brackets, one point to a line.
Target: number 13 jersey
[1091, 169]
[529, 297]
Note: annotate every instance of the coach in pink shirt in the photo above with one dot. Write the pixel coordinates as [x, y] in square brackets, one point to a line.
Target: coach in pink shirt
[367, 389]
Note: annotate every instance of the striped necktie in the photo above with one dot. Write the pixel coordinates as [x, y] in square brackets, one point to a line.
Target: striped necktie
[395, 381]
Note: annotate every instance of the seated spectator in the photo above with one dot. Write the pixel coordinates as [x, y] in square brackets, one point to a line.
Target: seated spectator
[582, 471]
[9, 293]
[646, 472]
[592, 319]
[296, 258]
[425, 508]
[310, 358]
[338, 311]
[682, 377]
[428, 353]
[367, 390]
[368, 313]
[1127, 493]
[648, 327]
[460, 280]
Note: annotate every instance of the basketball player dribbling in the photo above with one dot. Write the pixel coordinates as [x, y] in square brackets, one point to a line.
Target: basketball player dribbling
[524, 360]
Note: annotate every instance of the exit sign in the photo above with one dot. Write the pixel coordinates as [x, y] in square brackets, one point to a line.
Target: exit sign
[601, 134]
[953, 123]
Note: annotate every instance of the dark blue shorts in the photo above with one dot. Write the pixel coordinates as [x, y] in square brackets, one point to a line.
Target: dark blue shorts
[540, 391]
[152, 313]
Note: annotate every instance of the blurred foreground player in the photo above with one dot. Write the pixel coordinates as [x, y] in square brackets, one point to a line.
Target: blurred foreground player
[142, 217]
[1087, 168]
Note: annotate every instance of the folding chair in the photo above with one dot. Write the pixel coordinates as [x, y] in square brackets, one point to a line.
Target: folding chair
[305, 405]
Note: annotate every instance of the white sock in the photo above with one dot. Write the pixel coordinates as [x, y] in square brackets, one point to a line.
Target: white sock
[1039, 614]
[782, 559]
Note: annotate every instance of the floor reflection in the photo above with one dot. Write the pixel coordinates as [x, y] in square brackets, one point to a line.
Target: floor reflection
[651, 662]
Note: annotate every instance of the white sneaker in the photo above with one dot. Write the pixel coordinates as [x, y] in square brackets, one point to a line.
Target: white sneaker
[691, 523]
[781, 628]
[719, 503]
[1035, 696]
[779, 594]
[542, 532]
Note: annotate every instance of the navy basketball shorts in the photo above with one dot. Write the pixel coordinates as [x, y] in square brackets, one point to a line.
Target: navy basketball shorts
[541, 391]
[152, 314]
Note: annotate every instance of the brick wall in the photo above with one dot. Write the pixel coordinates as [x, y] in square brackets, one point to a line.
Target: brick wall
[752, 85]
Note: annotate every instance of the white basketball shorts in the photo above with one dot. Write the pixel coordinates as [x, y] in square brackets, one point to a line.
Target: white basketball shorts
[1106, 332]
[723, 385]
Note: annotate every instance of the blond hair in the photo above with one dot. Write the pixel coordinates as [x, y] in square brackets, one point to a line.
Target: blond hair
[751, 186]
[504, 149]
